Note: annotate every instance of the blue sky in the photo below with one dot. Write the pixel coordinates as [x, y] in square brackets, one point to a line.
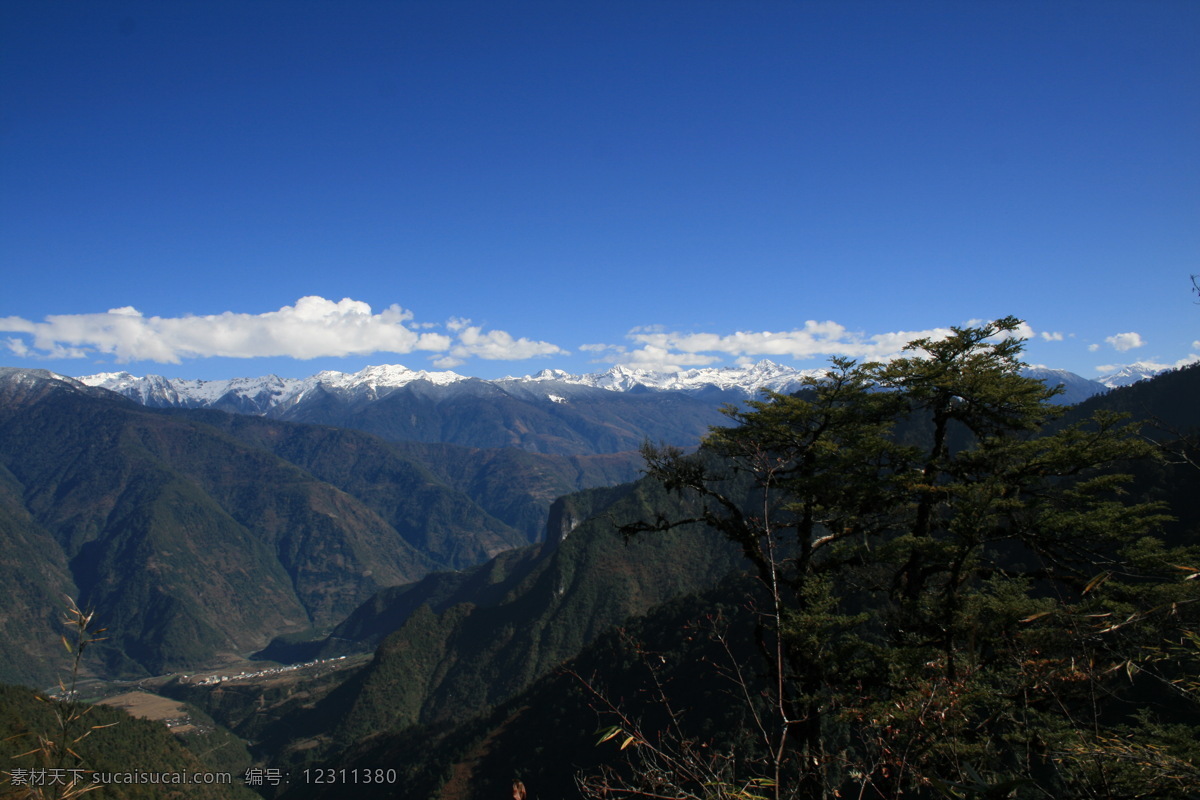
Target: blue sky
[229, 189]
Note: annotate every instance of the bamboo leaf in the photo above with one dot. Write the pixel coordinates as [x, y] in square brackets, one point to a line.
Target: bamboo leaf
[607, 733]
[1097, 581]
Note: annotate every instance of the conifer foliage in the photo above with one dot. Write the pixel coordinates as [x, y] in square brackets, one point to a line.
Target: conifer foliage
[956, 598]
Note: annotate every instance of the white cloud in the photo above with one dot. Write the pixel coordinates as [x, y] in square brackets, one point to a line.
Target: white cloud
[1093, 348]
[600, 348]
[16, 346]
[1023, 331]
[1196, 345]
[1050, 336]
[1125, 341]
[668, 351]
[496, 345]
[653, 358]
[313, 327]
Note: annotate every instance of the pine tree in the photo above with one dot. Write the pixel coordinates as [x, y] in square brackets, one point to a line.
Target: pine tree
[953, 586]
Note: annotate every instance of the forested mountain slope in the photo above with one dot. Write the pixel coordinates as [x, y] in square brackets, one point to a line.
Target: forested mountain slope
[458, 644]
[418, 486]
[194, 536]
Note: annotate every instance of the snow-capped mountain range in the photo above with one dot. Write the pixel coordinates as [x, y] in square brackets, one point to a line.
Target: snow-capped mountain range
[258, 395]
[748, 380]
[372, 383]
[262, 393]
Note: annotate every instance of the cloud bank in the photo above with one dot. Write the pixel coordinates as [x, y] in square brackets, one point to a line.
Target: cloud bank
[312, 328]
[668, 351]
[473, 342]
[657, 350]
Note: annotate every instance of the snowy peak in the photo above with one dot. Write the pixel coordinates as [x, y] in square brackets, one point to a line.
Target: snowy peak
[620, 379]
[1131, 374]
[19, 386]
[29, 378]
[547, 375]
[385, 376]
[370, 383]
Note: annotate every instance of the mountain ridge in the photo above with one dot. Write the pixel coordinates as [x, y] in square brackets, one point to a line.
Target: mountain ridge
[259, 395]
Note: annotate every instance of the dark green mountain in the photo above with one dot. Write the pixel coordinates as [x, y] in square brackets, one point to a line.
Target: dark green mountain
[435, 518]
[425, 490]
[529, 614]
[35, 576]
[457, 644]
[187, 542]
[1166, 404]
[194, 536]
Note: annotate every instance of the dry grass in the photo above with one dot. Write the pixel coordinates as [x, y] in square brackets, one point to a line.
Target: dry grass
[152, 707]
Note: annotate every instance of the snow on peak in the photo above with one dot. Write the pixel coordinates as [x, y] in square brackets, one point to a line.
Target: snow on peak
[1130, 374]
[20, 376]
[372, 382]
[398, 375]
[151, 390]
[748, 379]
[546, 375]
[386, 376]
[107, 379]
